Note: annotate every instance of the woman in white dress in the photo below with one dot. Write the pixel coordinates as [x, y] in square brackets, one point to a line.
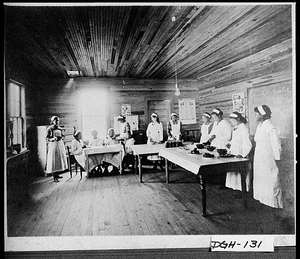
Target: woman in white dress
[110, 138]
[206, 127]
[266, 181]
[221, 131]
[125, 131]
[56, 156]
[77, 147]
[154, 134]
[95, 141]
[174, 128]
[240, 146]
[220, 136]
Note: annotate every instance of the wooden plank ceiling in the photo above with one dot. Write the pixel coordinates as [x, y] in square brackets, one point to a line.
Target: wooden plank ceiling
[141, 41]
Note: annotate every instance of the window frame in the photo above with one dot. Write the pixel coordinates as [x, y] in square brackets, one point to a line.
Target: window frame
[15, 115]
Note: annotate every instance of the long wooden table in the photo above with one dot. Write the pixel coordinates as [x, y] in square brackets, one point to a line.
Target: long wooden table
[203, 167]
[144, 150]
[95, 155]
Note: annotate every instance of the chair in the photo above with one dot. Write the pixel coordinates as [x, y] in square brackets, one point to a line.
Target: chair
[72, 161]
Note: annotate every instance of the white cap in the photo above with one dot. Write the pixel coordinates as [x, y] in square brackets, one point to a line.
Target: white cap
[120, 117]
[206, 114]
[217, 111]
[233, 115]
[261, 110]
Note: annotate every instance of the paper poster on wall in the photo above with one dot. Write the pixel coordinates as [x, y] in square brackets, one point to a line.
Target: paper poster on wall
[238, 102]
[126, 109]
[187, 110]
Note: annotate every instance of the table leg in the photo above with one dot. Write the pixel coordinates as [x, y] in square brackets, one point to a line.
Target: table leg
[203, 194]
[136, 164]
[243, 173]
[87, 167]
[121, 163]
[140, 168]
[167, 170]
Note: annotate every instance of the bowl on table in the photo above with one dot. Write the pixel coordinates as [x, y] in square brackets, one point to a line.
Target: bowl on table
[210, 148]
[195, 151]
[200, 146]
[207, 155]
[222, 151]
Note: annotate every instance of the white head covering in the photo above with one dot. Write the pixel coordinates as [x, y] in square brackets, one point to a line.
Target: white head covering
[110, 130]
[233, 115]
[206, 114]
[261, 110]
[76, 133]
[154, 114]
[121, 117]
[174, 114]
[53, 118]
[216, 111]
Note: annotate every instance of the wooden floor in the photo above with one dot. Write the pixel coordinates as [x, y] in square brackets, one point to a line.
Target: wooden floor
[120, 205]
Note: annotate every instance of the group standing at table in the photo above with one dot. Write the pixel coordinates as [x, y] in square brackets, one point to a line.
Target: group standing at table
[215, 131]
[266, 178]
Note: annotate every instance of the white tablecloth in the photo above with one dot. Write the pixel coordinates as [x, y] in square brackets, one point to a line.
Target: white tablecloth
[94, 156]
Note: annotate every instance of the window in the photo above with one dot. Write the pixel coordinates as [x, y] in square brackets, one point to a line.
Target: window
[15, 115]
[94, 110]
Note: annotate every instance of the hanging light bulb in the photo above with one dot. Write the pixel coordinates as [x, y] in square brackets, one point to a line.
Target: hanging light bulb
[177, 92]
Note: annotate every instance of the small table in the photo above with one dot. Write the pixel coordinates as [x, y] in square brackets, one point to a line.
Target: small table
[112, 154]
[16, 159]
[144, 150]
[198, 165]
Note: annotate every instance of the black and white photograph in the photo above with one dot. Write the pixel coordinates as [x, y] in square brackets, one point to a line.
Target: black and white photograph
[149, 127]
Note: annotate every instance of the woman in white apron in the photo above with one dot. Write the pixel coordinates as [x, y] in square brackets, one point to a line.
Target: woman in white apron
[125, 131]
[266, 182]
[56, 156]
[77, 147]
[174, 128]
[206, 127]
[154, 134]
[221, 131]
[240, 146]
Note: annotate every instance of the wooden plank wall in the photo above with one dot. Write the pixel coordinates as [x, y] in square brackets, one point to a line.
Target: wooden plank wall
[137, 93]
[269, 66]
[60, 97]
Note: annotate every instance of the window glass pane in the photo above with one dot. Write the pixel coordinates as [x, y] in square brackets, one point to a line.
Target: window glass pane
[15, 131]
[90, 123]
[19, 131]
[11, 100]
[94, 102]
[23, 102]
[94, 112]
[17, 100]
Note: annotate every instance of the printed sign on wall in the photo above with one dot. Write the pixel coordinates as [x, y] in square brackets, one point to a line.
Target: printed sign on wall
[126, 110]
[238, 102]
[187, 110]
